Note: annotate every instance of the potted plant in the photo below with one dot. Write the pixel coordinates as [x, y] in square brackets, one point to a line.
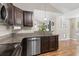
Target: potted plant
[42, 27]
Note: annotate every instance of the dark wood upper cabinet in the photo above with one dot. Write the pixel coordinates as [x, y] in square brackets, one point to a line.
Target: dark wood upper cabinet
[10, 11]
[27, 19]
[18, 16]
[15, 15]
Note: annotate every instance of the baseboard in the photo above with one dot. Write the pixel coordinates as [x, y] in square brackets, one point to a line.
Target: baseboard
[64, 39]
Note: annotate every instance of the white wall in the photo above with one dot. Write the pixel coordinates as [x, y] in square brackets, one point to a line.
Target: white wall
[39, 16]
[63, 28]
[73, 14]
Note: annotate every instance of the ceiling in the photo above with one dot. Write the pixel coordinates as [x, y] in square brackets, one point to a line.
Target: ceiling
[40, 6]
[65, 7]
[55, 7]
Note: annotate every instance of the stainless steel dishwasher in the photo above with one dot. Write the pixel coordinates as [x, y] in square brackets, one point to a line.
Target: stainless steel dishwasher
[33, 46]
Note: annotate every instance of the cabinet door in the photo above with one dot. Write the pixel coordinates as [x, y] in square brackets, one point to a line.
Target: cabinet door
[53, 43]
[18, 16]
[57, 42]
[10, 10]
[44, 44]
[24, 47]
[27, 19]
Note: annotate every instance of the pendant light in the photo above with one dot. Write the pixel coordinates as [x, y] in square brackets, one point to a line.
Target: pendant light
[45, 18]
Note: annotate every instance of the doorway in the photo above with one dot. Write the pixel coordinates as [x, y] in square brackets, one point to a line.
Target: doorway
[72, 28]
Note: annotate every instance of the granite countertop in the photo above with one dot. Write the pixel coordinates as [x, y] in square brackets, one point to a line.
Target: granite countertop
[18, 36]
[35, 34]
[5, 38]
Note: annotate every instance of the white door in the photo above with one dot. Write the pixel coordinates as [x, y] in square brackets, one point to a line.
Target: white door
[72, 28]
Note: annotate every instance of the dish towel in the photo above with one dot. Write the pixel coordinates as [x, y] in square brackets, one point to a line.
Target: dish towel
[17, 51]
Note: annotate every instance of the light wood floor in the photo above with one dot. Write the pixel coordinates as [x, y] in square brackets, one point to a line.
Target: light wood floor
[66, 48]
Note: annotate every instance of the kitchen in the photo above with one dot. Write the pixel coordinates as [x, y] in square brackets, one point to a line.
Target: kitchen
[28, 29]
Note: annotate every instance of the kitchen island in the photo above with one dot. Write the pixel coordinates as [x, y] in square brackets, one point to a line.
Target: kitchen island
[48, 42]
[43, 42]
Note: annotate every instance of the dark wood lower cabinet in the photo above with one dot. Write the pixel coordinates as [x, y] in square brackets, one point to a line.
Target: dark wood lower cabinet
[49, 43]
[53, 43]
[44, 44]
[24, 47]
